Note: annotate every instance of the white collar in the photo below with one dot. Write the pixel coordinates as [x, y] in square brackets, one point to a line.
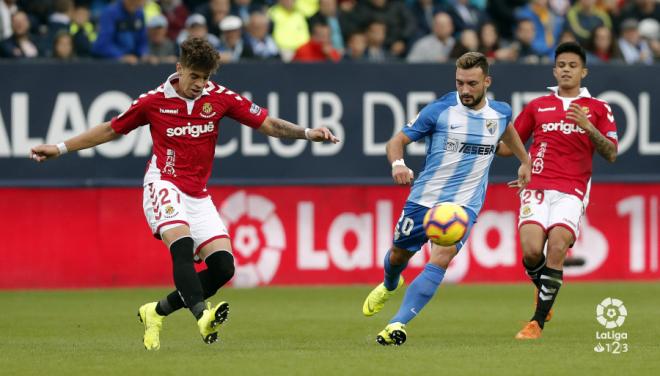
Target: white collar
[170, 92]
[584, 92]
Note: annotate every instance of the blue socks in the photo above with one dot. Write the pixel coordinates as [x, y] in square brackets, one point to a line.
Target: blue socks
[392, 273]
[419, 293]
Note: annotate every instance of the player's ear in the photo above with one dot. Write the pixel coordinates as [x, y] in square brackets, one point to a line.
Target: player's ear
[179, 68]
[487, 82]
[585, 72]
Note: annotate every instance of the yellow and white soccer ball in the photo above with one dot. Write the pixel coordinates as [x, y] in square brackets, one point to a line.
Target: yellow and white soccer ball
[446, 223]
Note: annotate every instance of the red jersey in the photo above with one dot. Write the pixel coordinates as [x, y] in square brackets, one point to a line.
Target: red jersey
[184, 131]
[561, 151]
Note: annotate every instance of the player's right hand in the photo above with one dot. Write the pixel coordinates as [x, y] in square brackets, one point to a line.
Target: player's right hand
[402, 175]
[42, 152]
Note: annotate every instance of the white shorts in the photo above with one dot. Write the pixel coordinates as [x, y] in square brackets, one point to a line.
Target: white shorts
[166, 207]
[550, 208]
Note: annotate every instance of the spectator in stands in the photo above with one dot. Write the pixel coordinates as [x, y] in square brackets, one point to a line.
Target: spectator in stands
[214, 11]
[176, 13]
[584, 17]
[566, 36]
[634, 49]
[356, 47]
[122, 33]
[243, 9]
[351, 22]
[401, 24]
[502, 13]
[329, 15]
[423, 11]
[465, 15]
[490, 45]
[290, 29]
[161, 49]
[262, 44]
[468, 41]
[547, 26]
[319, 48]
[641, 9]
[59, 20]
[7, 9]
[83, 31]
[376, 33]
[21, 44]
[649, 30]
[436, 47]
[601, 47]
[523, 44]
[196, 28]
[232, 45]
[62, 48]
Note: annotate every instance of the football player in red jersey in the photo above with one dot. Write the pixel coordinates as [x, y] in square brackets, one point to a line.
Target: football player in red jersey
[567, 126]
[183, 116]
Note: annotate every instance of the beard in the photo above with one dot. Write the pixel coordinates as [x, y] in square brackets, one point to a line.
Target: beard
[471, 101]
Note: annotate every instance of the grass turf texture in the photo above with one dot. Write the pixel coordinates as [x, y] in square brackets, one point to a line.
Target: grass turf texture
[465, 329]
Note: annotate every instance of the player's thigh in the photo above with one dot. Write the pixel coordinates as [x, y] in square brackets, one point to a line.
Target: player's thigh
[409, 234]
[534, 208]
[207, 228]
[566, 211]
[165, 210]
[532, 238]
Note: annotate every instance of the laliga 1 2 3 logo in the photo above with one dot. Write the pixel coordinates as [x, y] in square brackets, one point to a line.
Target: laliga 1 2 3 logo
[258, 237]
[611, 313]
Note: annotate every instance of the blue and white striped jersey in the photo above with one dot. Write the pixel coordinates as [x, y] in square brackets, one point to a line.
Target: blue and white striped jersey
[460, 146]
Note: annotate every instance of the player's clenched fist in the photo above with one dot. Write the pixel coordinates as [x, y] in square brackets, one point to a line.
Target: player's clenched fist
[579, 116]
[321, 134]
[402, 175]
[42, 152]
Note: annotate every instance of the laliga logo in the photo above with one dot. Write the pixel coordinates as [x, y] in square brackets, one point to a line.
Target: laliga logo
[611, 313]
[258, 237]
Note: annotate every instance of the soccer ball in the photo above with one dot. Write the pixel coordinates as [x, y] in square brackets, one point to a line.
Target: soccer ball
[446, 223]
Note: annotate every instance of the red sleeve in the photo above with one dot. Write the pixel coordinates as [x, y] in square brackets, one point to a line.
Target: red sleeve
[245, 112]
[135, 116]
[605, 123]
[524, 123]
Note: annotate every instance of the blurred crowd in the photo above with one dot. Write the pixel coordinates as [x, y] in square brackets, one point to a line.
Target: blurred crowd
[133, 31]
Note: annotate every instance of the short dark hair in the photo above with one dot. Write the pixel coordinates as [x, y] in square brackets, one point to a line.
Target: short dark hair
[572, 47]
[199, 54]
[471, 60]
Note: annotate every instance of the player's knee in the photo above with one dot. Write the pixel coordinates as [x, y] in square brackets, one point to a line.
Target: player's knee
[221, 265]
[399, 256]
[557, 249]
[182, 250]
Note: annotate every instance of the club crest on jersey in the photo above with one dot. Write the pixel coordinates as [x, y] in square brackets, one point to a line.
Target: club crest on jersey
[255, 109]
[170, 211]
[207, 110]
[491, 126]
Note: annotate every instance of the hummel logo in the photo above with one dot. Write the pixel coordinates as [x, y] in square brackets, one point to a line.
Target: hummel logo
[610, 117]
[545, 109]
[168, 111]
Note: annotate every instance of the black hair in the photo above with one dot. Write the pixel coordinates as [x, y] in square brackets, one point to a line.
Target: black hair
[572, 47]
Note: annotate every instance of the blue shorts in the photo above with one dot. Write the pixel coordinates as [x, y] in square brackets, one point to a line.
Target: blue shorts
[409, 232]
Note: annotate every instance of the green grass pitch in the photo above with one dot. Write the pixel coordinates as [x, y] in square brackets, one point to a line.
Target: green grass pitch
[465, 330]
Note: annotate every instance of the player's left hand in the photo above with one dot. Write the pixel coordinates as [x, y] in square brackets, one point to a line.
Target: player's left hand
[322, 134]
[579, 116]
[524, 176]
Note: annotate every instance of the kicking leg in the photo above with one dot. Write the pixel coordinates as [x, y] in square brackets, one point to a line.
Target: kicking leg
[419, 293]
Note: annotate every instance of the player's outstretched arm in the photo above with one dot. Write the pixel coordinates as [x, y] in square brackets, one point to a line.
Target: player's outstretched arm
[100, 134]
[503, 150]
[515, 145]
[400, 172]
[280, 128]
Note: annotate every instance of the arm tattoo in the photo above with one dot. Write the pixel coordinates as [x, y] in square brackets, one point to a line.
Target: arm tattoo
[604, 146]
[284, 129]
